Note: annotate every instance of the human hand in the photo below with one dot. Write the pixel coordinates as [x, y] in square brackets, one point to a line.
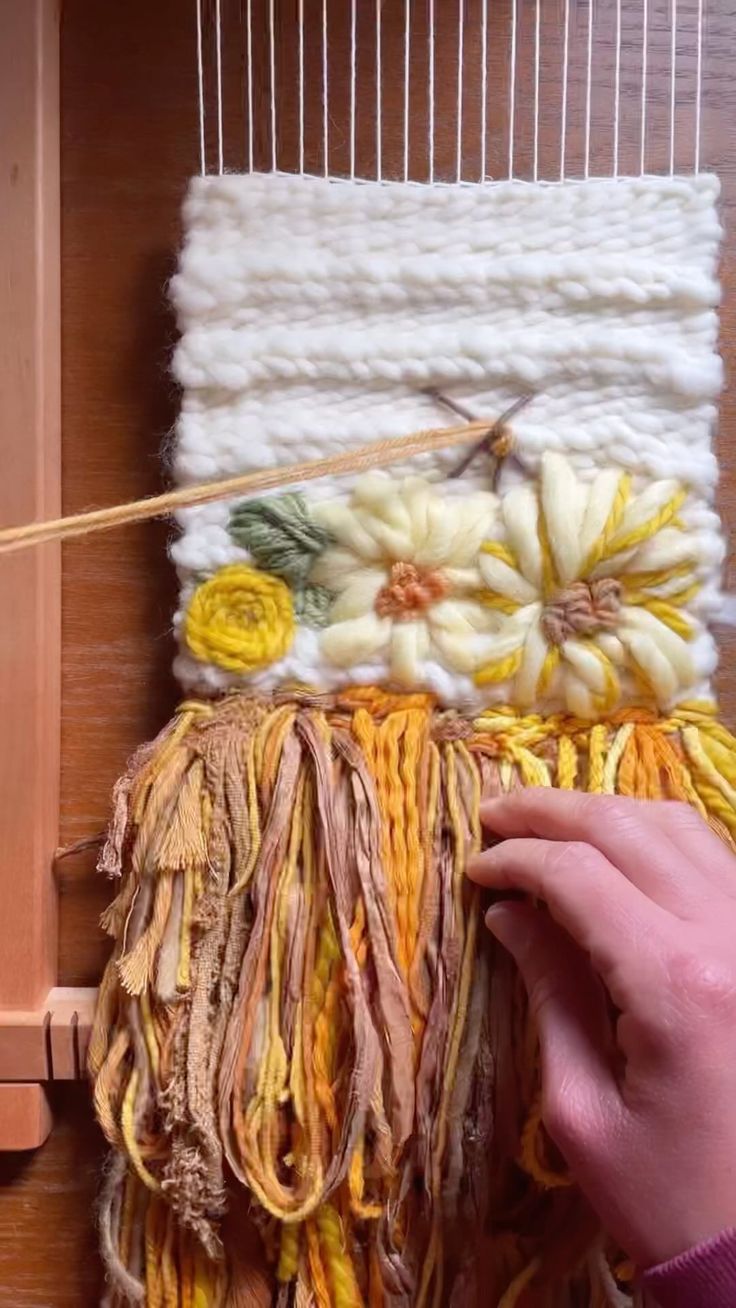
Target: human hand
[642, 909]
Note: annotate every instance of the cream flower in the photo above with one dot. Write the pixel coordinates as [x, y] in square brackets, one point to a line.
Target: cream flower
[404, 570]
[591, 580]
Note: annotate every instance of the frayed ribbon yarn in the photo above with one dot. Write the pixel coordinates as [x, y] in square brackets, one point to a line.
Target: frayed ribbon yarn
[315, 1069]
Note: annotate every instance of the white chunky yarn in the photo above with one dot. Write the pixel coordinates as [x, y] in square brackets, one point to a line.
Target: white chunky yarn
[312, 313]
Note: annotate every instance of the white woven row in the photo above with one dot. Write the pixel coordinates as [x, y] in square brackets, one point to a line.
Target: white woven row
[313, 313]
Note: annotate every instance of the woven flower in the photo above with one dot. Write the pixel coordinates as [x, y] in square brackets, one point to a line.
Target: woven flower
[240, 619]
[405, 573]
[592, 580]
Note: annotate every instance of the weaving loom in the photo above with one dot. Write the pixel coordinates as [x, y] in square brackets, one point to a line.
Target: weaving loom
[317, 1075]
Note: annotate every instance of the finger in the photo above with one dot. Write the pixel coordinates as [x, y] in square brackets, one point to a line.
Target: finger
[691, 835]
[568, 1007]
[619, 828]
[609, 918]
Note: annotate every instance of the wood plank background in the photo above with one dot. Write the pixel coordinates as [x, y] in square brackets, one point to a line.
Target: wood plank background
[130, 141]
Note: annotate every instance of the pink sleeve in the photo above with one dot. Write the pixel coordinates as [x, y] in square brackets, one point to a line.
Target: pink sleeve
[703, 1277]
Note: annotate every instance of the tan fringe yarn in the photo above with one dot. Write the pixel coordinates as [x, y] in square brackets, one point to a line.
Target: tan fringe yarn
[314, 1066]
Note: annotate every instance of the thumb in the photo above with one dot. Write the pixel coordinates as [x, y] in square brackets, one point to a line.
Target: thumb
[568, 1005]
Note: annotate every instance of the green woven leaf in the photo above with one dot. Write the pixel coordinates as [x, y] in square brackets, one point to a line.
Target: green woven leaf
[313, 604]
[280, 535]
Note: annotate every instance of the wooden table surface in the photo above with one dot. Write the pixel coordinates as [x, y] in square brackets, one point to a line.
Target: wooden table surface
[130, 141]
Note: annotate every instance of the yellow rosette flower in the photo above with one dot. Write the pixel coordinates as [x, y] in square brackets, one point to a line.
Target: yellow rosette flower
[240, 619]
[591, 580]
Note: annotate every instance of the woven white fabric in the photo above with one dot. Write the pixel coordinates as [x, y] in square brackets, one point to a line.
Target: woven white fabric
[312, 314]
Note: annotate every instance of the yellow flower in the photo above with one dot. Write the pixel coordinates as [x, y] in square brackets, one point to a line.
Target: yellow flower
[240, 619]
[591, 581]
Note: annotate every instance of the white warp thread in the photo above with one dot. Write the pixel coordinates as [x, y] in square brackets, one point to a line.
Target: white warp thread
[313, 311]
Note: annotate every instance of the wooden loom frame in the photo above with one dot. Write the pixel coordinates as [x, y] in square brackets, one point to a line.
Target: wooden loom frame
[43, 1028]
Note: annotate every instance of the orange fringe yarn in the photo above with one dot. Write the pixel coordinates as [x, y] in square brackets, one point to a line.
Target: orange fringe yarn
[301, 1012]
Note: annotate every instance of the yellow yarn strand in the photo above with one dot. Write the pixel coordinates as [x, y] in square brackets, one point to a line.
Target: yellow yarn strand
[127, 1128]
[356, 1182]
[345, 1291]
[652, 580]
[567, 763]
[715, 790]
[392, 798]
[169, 1273]
[498, 550]
[414, 744]
[720, 755]
[319, 1285]
[325, 997]
[534, 771]
[490, 599]
[501, 670]
[207, 1289]
[149, 1032]
[611, 525]
[288, 1263]
[549, 667]
[154, 1236]
[684, 596]
[107, 1086]
[597, 747]
[665, 610]
[631, 539]
[615, 753]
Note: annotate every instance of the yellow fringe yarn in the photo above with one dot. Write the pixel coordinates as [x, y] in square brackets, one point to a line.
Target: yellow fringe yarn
[302, 1007]
[345, 1291]
[127, 1130]
[288, 1264]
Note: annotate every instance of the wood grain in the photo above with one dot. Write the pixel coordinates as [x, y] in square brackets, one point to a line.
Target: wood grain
[30, 486]
[129, 144]
[48, 1256]
[25, 1116]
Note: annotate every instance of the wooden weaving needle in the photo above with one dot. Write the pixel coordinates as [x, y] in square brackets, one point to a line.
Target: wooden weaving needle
[498, 435]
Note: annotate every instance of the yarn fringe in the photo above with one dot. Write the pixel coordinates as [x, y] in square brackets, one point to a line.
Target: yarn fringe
[316, 1072]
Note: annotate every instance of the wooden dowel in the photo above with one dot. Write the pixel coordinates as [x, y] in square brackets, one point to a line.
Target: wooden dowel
[375, 455]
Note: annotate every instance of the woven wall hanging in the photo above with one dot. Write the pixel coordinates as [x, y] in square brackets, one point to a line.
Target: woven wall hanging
[313, 1065]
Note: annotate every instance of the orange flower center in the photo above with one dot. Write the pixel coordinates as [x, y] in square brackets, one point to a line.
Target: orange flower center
[409, 592]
